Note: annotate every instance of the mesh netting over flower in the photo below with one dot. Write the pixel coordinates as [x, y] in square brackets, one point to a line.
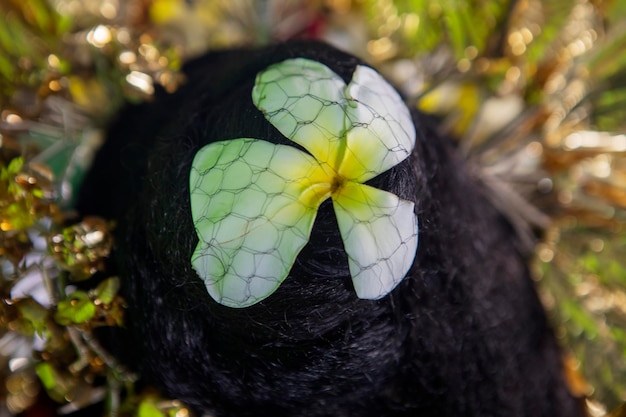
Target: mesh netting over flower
[531, 93]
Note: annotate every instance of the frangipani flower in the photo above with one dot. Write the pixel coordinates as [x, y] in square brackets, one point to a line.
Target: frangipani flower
[254, 202]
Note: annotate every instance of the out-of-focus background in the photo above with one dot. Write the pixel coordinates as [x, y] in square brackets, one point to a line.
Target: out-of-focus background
[534, 93]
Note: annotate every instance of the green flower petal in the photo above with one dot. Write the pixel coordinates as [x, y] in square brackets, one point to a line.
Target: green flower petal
[380, 133]
[253, 205]
[305, 101]
[379, 233]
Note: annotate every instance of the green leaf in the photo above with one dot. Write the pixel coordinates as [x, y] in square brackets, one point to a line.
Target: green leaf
[47, 374]
[56, 383]
[34, 313]
[15, 165]
[77, 308]
[40, 14]
[107, 290]
[147, 408]
[7, 69]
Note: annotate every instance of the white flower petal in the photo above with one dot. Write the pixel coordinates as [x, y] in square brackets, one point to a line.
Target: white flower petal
[380, 133]
[379, 233]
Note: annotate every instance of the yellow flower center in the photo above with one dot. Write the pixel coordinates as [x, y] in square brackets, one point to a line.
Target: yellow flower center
[322, 184]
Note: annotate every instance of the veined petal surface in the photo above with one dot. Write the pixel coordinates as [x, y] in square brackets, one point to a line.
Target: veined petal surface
[253, 205]
[379, 232]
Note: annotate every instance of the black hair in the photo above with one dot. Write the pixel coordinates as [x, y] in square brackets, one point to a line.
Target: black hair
[464, 334]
